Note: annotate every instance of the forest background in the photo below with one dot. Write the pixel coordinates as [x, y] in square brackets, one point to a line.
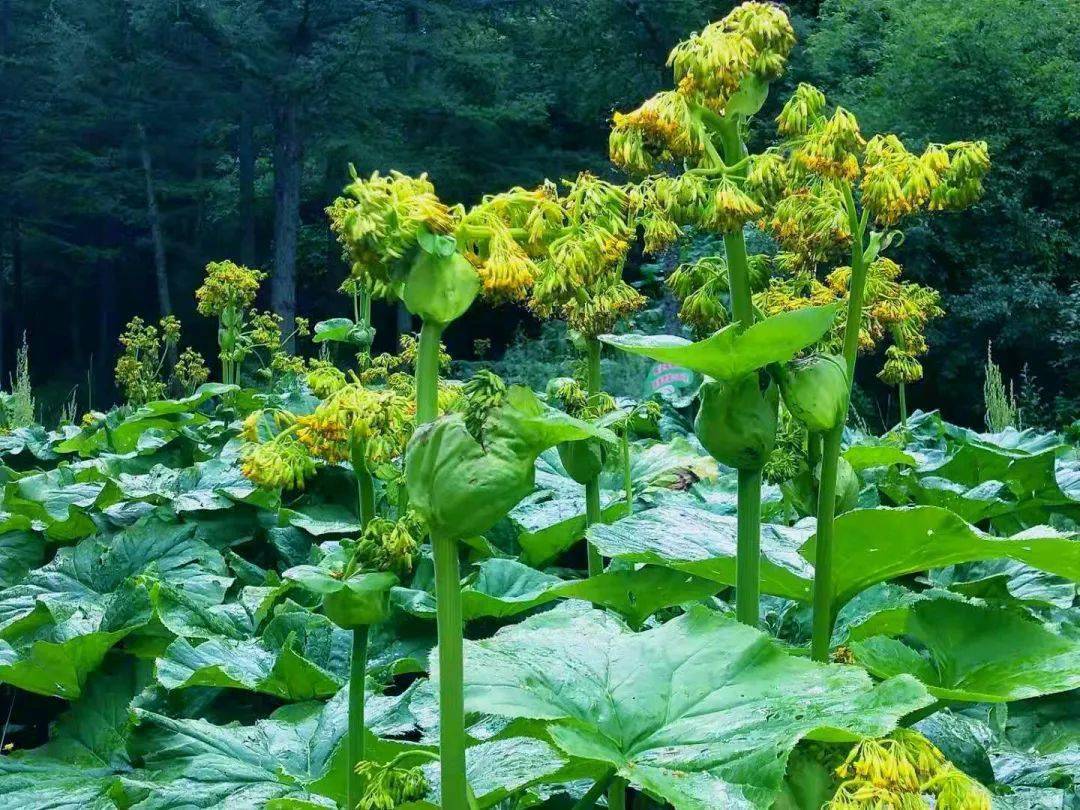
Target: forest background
[140, 139]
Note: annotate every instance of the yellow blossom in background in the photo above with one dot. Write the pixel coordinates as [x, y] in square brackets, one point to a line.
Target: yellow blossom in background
[324, 378]
[390, 545]
[580, 279]
[190, 370]
[801, 110]
[227, 285]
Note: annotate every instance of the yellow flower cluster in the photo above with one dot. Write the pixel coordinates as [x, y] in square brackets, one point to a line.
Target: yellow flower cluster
[227, 286]
[581, 277]
[801, 111]
[281, 463]
[324, 378]
[748, 46]
[389, 545]
[900, 367]
[894, 773]
[961, 186]
[190, 370]
[386, 786]
[826, 152]
[380, 218]
[699, 287]
[570, 395]
[753, 40]
[382, 420]
[484, 392]
[809, 224]
[890, 306]
[505, 234]
[663, 129]
[832, 146]
[141, 372]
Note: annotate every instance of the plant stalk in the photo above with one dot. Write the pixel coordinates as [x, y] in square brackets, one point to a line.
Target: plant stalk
[447, 601]
[357, 675]
[427, 373]
[748, 540]
[826, 508]
[365, 498]
[628, 479]
[595, 792]
[748, 551]
[592, 487]
[902, 392]
[617, 794]
[451, 674]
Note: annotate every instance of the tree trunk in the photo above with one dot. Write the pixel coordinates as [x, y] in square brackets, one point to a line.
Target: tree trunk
[245, 157]
[3, 296]
[18, 321]
[153, 218]
[106, 333]
[286, 212]
[403, 320]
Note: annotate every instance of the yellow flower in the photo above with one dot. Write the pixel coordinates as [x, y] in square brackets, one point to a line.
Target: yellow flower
[660, 130]
[324, 378]
[227, 285]
[802, 111]
[281, 463]
[731, 208]
[380, 218]
[381, 419]
[507, 273]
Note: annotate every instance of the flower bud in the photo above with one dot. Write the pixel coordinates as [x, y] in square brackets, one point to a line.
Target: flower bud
[815, 391]
[440, 288]
[737, 421]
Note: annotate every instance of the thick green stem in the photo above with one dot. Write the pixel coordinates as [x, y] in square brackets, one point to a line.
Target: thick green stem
[365, 484]
[447, 601]
[451, 674]
[823, 557]
[365, 496]
[902, 391]
[748, 543]
[592, 517]
[616, 795]
[628, 479]
[826, 507]
[357, 672]
[427, 373]
[592, 488]
[595, 792]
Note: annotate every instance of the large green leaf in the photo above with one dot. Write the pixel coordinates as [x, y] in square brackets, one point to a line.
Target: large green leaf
[1013, 478]
[975, 653]
[299, 656]
[502, 588]
[870, 546]
[702, 711]
[699, 542]
[57, 625]
[551, 519]
[730, 353]
[82, 764]
[496, 769]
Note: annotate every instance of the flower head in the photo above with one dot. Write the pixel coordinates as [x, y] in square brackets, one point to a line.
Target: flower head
[227, 285]
[380, 218]
[381, 420]
[281, 463]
